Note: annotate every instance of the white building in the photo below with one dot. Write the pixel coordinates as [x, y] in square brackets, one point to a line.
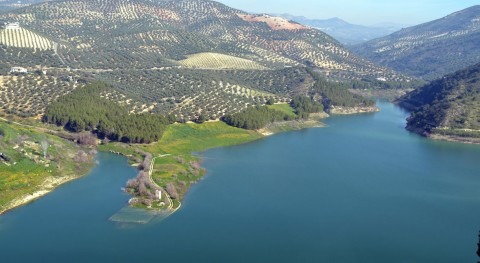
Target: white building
[18, 70]
[13, 26]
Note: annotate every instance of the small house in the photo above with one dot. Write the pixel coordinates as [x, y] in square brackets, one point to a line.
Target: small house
[12, 26]
[18, 70]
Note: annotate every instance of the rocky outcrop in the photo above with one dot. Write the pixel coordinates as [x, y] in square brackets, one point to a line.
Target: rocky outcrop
[352, 110]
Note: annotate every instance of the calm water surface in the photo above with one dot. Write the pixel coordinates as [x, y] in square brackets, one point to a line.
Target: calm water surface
[361, 190]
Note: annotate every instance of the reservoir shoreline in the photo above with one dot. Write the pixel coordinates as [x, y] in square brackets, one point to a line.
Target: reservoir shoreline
[52, 183]
[360, 212]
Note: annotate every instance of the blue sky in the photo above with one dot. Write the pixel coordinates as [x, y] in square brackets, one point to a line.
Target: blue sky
[365, 12]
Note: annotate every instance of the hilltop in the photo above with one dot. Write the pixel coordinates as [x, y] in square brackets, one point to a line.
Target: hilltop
[430, 50]
[449, 106]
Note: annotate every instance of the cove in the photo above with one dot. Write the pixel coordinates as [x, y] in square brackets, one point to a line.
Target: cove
[360, 190]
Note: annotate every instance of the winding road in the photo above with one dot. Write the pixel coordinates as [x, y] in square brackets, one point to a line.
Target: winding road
[150, 171]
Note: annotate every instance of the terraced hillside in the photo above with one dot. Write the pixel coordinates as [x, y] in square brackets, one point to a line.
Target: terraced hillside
[430, 50]
[29, 95]
[124, 34]
[218, 61]
[449, 106]
[24, 38]
[189, 93]
[27, 57]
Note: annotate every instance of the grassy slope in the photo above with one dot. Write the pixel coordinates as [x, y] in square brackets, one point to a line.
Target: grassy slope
[285, 108]
[27, 171]
[174, 159]
[187, 138]
[181, 140]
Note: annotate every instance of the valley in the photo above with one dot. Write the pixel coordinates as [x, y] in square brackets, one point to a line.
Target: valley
[162, 81]
[343, 31]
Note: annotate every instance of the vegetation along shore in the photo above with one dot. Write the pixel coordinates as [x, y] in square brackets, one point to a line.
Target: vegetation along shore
[38, 159]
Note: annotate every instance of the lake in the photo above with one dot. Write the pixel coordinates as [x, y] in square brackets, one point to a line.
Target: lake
[360, 190]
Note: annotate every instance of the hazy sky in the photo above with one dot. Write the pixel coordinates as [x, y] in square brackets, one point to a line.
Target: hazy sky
[365, 12]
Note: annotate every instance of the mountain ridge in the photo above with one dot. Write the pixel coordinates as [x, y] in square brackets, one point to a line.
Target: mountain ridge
[430, 50]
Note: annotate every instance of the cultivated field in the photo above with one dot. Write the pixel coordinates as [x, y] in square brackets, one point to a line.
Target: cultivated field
[29, 95]
[219, 61]
[189, 93]
[24, 38]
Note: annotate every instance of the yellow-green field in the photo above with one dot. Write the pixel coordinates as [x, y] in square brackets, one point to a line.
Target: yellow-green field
[28, 172]
[174, 162]
[219, 61]
[285, 108]
[24, 38]
[180, 139]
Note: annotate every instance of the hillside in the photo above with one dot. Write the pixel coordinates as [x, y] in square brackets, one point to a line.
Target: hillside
[126, 34]
[218, 61]
[430, 50]
[346, 33]
[33, 163]
[29, 95]
[187, 57]
[449, 106]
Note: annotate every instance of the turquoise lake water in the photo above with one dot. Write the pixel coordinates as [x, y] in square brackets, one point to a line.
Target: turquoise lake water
[361, 190]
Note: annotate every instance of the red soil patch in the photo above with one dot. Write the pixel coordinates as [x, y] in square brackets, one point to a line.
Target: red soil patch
[275, 23]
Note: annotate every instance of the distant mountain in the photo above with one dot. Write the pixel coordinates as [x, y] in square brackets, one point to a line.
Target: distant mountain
[346, 33]
[432, 49]
[449, 106]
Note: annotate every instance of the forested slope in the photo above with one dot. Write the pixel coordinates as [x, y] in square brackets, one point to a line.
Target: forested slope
[448, 106]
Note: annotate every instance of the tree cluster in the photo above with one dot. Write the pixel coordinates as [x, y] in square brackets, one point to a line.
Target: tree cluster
[451, 101]
[142, 186]
[255, 118]
[336, 93]
[305, 105]
[84, 110]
